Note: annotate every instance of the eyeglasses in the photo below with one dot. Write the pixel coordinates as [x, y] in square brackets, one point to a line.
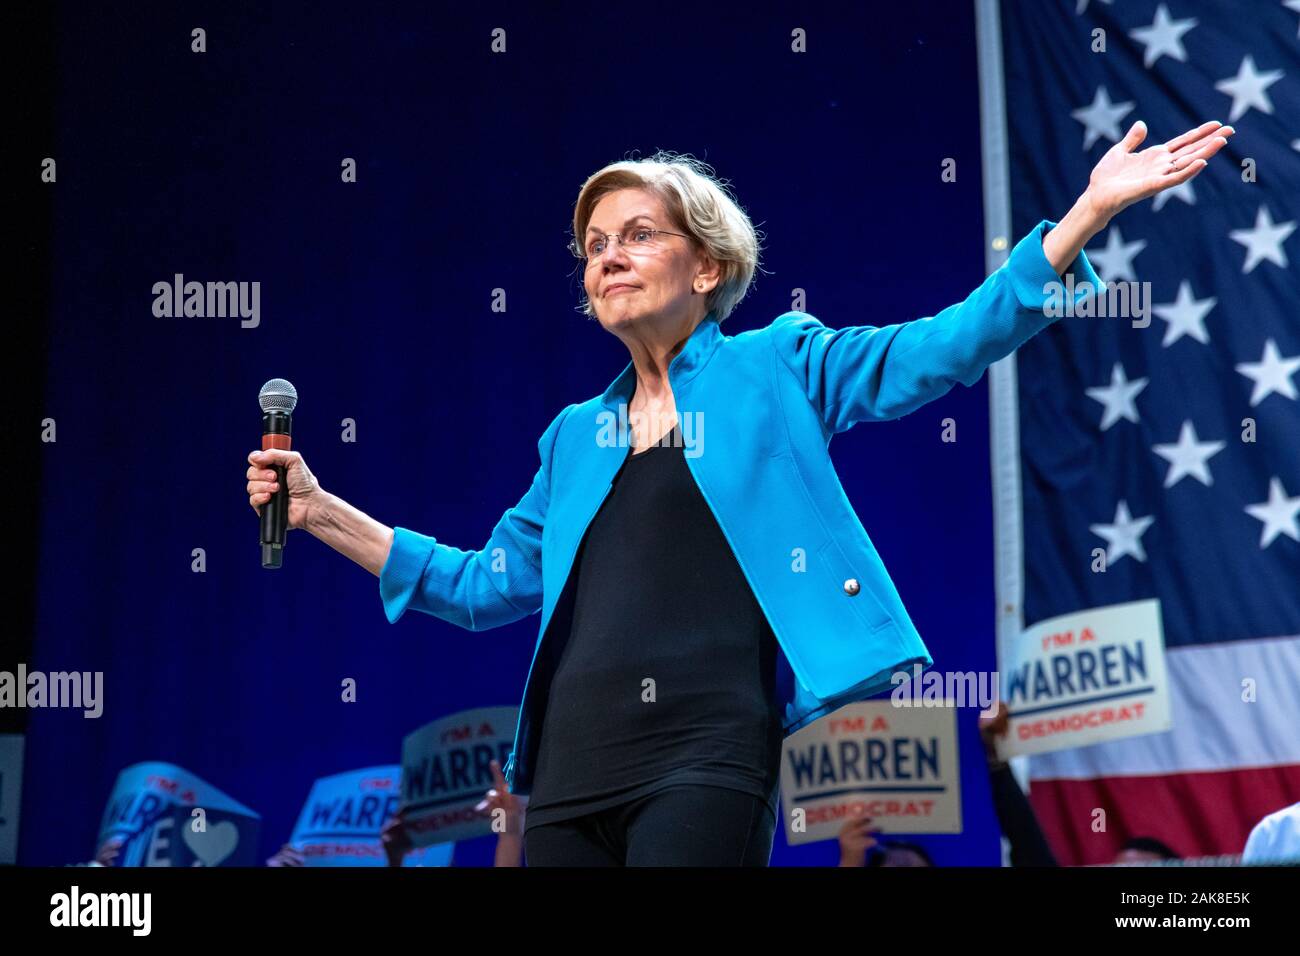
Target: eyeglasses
[634, 239]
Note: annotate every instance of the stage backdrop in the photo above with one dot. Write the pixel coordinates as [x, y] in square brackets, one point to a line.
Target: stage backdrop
[376, 302]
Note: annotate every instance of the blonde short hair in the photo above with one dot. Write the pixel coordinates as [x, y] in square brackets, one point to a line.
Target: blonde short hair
[698, 203]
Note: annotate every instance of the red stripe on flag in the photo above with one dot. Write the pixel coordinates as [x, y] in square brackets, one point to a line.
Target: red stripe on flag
[1197, 814]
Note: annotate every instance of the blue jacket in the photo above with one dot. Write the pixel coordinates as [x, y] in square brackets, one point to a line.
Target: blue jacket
[758, 411]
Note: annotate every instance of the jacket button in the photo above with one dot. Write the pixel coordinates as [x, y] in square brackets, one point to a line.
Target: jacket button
[851, 587]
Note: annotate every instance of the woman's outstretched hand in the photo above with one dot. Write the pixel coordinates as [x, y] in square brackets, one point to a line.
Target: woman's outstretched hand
[1125, 175]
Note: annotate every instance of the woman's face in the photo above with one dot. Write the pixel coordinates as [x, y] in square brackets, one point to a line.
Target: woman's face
[625, 287]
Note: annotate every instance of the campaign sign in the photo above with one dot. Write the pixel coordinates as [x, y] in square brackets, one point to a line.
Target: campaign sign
[151, 809]
[344, 814]
[898, 766]
[435, 854]
[1086, 677]
[198, 836]
[446, 771]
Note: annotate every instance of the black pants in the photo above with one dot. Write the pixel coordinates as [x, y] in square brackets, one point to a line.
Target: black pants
[687, 825]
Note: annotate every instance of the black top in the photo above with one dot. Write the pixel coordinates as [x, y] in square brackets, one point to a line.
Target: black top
[659, 597]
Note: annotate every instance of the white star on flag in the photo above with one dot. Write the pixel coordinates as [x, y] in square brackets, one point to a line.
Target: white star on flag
[1115, 262]
[1185, 315]
[1248, 88]
[1294, 5]
[1164, 36]
[1189, 457]
[1278, 514]
[1118, 397]
[1101, 117]
[1272, 373]
[1264, 241]
[1124, 536]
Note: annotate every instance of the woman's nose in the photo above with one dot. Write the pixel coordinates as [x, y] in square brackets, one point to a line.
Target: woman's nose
[613, 251]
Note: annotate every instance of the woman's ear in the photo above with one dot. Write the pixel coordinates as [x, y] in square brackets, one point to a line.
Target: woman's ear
[707, 276]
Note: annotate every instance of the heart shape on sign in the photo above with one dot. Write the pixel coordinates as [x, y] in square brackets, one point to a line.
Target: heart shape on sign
[214, 844]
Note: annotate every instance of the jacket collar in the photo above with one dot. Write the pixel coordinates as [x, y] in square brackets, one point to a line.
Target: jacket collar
[695, 354]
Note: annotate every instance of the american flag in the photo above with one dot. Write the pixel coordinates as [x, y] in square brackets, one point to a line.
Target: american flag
[1174, 447]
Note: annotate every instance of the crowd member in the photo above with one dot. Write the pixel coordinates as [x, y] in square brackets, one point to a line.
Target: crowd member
[510, 841]
[862, 846]
[1145, 849]
[1029, 845]
[1276, 838]
[1016, 817]
[287, 855]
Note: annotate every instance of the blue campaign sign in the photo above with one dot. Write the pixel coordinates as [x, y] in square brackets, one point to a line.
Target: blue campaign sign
[446, 771]
[341, 821]
[151, 810]
[438, 854]
[214, 838]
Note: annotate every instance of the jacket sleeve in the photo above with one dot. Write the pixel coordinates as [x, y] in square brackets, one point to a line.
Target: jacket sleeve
[500, 583]
[865, 373]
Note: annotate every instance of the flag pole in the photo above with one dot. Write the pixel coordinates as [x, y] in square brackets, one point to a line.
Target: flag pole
[1004, 420]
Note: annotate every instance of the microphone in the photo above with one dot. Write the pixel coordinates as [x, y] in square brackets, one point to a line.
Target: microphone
[278, 399]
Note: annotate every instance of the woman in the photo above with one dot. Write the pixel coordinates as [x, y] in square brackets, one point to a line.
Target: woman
[669, 561]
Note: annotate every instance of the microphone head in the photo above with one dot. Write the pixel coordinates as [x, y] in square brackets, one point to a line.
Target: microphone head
[278, 395]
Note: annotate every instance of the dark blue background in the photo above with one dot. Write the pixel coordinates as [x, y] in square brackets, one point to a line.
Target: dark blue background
[376, 305]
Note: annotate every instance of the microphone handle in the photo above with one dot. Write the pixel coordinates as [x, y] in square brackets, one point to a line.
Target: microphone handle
[277, 432]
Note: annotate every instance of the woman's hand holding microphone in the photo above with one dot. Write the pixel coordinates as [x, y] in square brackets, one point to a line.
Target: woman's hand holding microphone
[331, 519]
[304, 489]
